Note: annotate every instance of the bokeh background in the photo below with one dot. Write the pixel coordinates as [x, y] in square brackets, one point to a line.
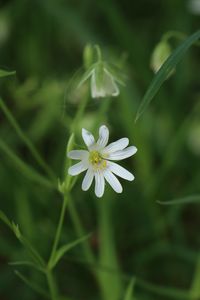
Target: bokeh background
[132, 235]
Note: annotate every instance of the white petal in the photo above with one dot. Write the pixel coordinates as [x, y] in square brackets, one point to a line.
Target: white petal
[96, 92]
[113, 181]
[122, 154]
[87, 181]
[78, 168]
[109, 84]
[88, 138]
[120, 171]
[78, 154]
[103, 136]
[116, 146]
[99, 184]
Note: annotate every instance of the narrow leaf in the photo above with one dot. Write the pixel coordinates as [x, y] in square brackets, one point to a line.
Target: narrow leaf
[27, 170]
[5, 219]
[32, 285]
[4, 73]
[26, 263]
[129, 291]
[164, 72]
[62, 251]
[183, 200]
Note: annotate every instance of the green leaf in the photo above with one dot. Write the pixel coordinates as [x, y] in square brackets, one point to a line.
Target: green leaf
[164, 72]
[60, 252]
[32, 285]
[183, 200]
[26, 263]
[27, 170]
[129, 291]
[4, 218]
[4, 73]
[37, 259]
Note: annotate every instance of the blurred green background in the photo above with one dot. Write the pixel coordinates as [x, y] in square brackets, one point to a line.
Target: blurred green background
[132, 235]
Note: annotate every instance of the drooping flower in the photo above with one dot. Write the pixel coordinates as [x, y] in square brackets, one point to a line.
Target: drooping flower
[98, 161]
[104, 78]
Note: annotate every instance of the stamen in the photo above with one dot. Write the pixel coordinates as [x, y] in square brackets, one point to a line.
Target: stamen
[97, 161]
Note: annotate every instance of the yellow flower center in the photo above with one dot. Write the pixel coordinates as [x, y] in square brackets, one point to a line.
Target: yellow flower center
[97, 161]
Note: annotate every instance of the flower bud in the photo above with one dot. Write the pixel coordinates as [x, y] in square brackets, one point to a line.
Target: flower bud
[160, 54]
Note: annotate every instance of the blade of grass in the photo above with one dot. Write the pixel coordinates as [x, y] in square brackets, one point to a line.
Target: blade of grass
[129, 291]
[26, 140]
[4, 73]
[32, 285]
[183, 200]
[164, 72]
[24, 167]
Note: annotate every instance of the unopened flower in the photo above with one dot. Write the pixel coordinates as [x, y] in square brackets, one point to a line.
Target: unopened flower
[104, 79]
[160, 54]
[103, 83]
[98, 161]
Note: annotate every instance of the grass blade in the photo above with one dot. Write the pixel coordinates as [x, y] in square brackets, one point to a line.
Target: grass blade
[183, 200]
[25, 168]
[164, 72]
[4, 73]
[32, 285]
[129, 291]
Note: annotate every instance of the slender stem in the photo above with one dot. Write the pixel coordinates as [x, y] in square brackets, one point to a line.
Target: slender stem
[26, 140]
[59, 228]
[52, 285]
[195, 287]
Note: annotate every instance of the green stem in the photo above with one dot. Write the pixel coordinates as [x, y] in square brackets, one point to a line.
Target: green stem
[59, 228]
[195, 288]
[26, 140]
[52, 285]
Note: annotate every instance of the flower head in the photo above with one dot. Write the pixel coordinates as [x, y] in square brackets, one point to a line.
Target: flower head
[98, 161]
[103, 83]
[104, 78]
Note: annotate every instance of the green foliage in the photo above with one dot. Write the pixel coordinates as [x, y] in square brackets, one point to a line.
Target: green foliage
[42, 111]
[165, 70]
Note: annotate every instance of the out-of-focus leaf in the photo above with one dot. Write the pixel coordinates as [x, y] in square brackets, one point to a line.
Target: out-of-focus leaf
[30, 249]
[164, 72]
[129, 291]
[4, 73]
[183, 200]
[32, 285]
[26, 263]
[4, 218]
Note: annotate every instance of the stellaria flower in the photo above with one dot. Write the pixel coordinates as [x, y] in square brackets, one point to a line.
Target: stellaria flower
[104, 78]
[98, 161]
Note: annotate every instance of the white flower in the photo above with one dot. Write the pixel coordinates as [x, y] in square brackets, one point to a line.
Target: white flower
[98, 161]
[103, 82]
